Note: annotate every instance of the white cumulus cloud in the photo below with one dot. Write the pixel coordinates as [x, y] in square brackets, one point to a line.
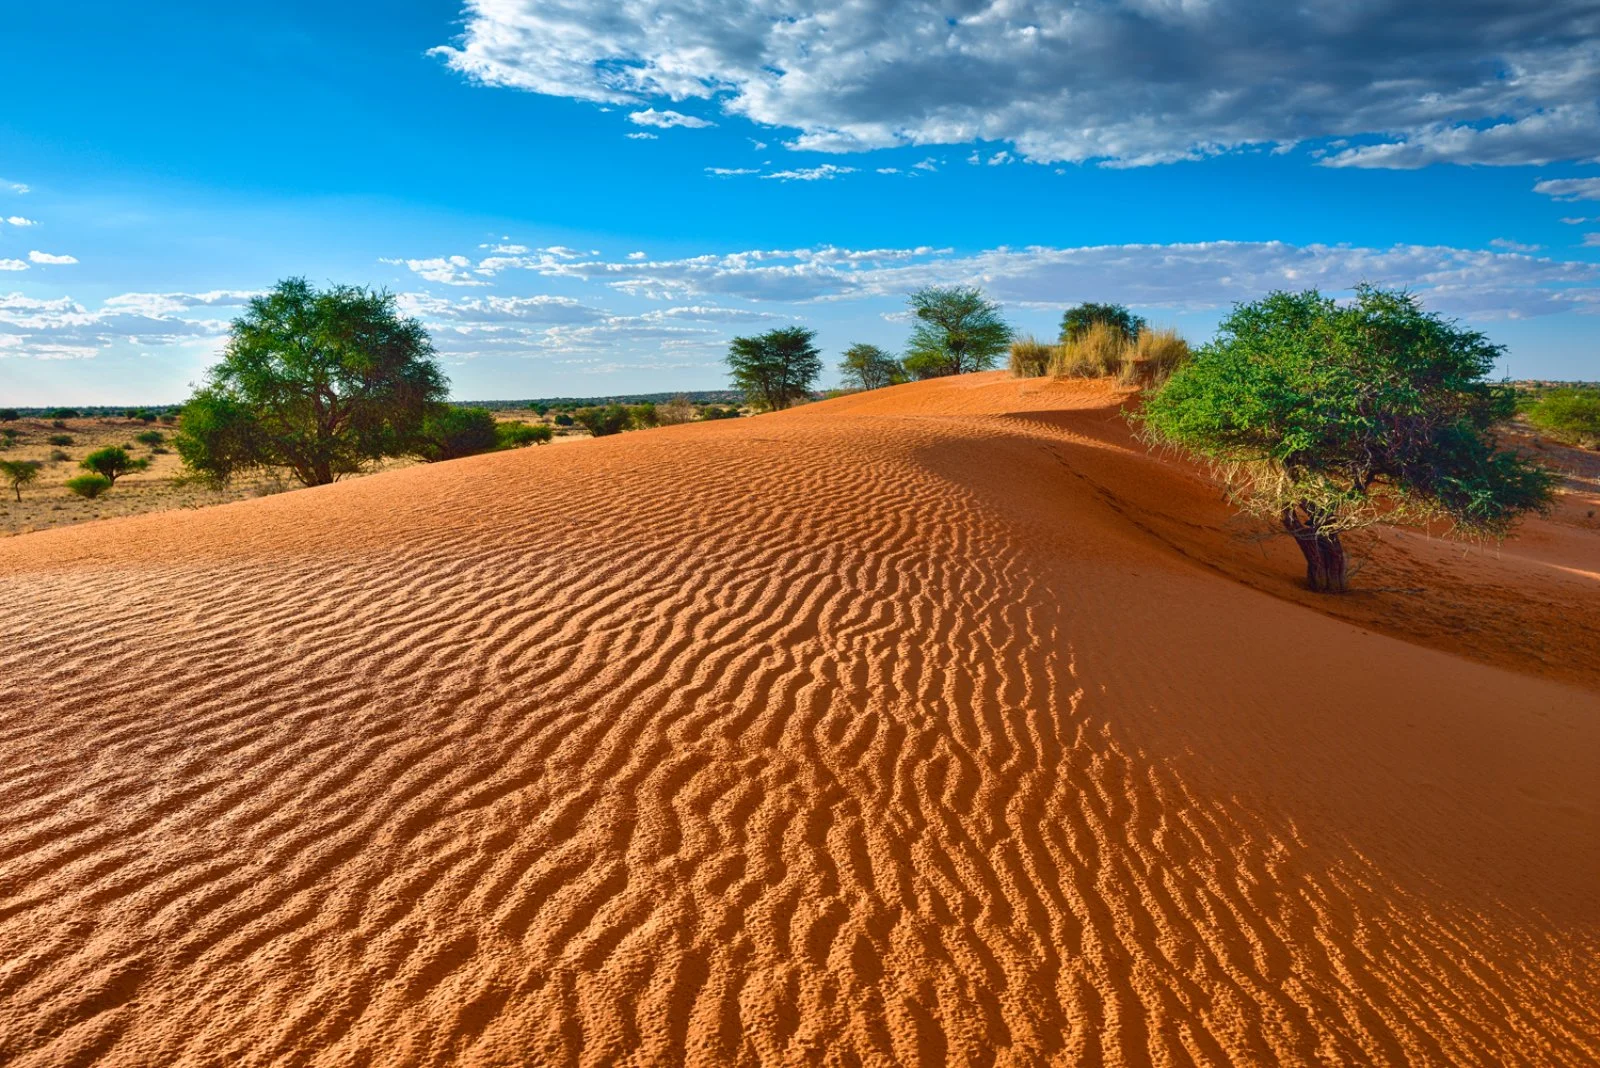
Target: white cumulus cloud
[49, 258]
[667, 120]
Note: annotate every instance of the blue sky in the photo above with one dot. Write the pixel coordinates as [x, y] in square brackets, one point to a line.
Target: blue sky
[586, 200]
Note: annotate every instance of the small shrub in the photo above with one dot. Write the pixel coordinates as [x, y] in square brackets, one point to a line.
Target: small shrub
[89, 486]
[1030, 357]
[603, 422]
[9, 415]
[1152, 359]
[145, 415]
[1095, 353]
[563, 419]
[520, 435]
[1569, 415]
[451, 433]
[63, 413]
[712, 411]
[60, 439]
[58, 424]
[159, 450]
[151, 438]
[57, 456]
[168, 419]
[644, 415]
[675, 411]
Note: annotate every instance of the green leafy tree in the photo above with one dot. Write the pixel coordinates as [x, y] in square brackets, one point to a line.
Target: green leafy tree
[777, 368]
[321, 382]
[605, 420]
[112, 462]
[19, 473]
[1572, 415]
[9, 415]
[958, 330]
[1327, 418]
[449, 433]
[1080, 317]
[63, 413]
[869, 367]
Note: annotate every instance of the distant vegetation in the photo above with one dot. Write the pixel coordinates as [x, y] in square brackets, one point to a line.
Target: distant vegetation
[1326, 418]
[1568, 415]
[869, 367]
[1080, 318]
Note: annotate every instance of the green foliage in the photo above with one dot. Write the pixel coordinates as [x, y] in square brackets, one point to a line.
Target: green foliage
[604, 421]
[675, 411]
[1096, 353]
[1080, 317]
[19, 473]
[62, 413]
[9, 415]
[449, 433]
[57, 456]
[563, 419]
[1154, 358]
[59, 439]
[144, 415]
[168, 419]
[869, 367]
[1570, 415]
[112, 462]
[958, 331]
[777, 368]
[1030, 357]
[151, 438]
[1327, 418]
[712, 411]
[518, 435]
[644, 415]
[321, 382]
[89, 486]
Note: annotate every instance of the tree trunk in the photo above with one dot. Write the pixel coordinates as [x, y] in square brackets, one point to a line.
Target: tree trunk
[1324, 553]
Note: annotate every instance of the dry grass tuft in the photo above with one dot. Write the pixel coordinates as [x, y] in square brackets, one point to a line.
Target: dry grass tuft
[1096, 353]
[1030, 357]
[1153, 358]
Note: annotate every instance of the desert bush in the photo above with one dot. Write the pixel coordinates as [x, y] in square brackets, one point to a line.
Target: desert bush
[449, 433]
[675, 411]
[604, 421]
[644, 415]
[1030, 357]
[563, 419]
[518, 435]
[111, 463]
[59, 424]
[145, 415]
[151, 438]
[90, 486]
[59, 439]
[1326, 418]
[957, 331]
[9, 415]
[168, 419]
[57, 456]
[19, 473]
[1095, 353]
[713, 411]
[1569, 415]
[63, 413]
[1080, 317]
[1152, 359]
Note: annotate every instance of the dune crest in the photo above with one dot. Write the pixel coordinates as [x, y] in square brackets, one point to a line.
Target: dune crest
[941, 724]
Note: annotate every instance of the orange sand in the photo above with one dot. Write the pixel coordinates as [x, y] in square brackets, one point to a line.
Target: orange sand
[937, 725]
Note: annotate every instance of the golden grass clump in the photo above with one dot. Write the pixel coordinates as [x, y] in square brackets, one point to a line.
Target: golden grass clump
[1030, 357]
[1095, 353]
[1153, 358]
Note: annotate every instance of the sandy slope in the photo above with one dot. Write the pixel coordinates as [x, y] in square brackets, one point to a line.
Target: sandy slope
[935, 725]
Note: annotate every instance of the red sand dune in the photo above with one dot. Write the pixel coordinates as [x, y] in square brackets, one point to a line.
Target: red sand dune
[942, 724]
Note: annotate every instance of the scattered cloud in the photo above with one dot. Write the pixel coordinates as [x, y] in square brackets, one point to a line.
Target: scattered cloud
[642, 135]
[1513, 246]
[13, 187]
[826, 172]
[1569, 189]
[1576, 220]
[1591, 240]
[18, 220]
[1000, 158]
[446, 270]
[729, 172]
[929, 164]
[49, 258]
[1410, 82]
[62, 328]
[13, 265]
[636, 255]
[667, 120]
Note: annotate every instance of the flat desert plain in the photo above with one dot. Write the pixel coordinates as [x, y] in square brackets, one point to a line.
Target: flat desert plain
[939, 725]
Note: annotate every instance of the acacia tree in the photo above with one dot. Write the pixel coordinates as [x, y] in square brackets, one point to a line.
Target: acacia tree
[19, 473]
[318, 381]
[958, 330]
[1077, 320]
[1327, 418]
[869, 367]
[112, 462]
[777, 368]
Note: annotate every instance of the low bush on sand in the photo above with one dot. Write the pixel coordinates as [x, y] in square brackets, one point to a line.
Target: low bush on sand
[604, 421]
[151, 438]
[1570, 415]
[1030, 357]
[111, 463]
[59, 439]
[1096, 352]
[90, 486]
[519, 435]
[449, 433]
[1152, 359]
